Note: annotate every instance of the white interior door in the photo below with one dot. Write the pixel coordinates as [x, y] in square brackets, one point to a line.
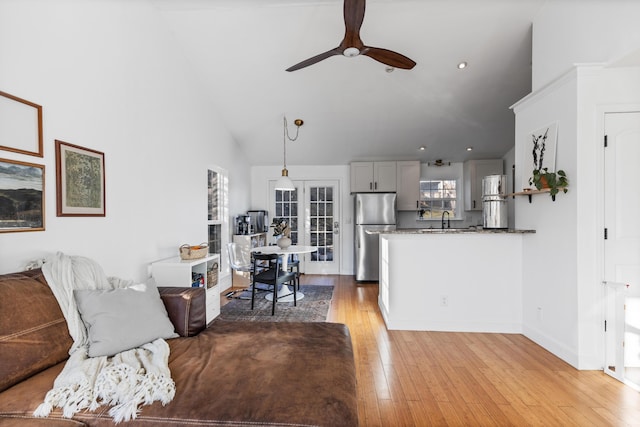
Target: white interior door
[313, 213]
[622, 244]
[322, 226]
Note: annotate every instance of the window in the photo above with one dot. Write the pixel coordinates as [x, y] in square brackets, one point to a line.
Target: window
[217, 222]
[438, 196]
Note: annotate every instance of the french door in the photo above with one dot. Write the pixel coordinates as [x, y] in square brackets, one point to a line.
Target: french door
[622, 247]
[313, 213]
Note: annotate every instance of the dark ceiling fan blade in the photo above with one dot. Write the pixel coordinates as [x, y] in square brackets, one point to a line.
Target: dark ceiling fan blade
[315, 59]
[351, 45]
[388, 57]
[353, 17]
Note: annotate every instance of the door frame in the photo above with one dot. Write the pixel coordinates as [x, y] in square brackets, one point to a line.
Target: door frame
[600, 190]
[324, 267]
[303, 219]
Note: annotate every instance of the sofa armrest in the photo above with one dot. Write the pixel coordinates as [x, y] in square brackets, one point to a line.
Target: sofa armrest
[186, 308]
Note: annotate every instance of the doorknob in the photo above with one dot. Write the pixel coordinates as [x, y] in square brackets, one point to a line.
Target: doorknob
[336, 227]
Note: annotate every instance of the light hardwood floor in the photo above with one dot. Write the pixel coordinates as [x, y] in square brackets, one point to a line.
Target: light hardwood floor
[408, 378]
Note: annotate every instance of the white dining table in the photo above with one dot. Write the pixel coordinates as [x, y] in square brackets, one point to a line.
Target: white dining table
[285, 294]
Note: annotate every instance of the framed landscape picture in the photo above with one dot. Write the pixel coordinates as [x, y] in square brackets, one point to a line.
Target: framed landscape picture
[20, 125]
[79, 181]
[21, 196]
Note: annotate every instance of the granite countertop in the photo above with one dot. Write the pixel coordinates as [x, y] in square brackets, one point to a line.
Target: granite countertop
[451, 231]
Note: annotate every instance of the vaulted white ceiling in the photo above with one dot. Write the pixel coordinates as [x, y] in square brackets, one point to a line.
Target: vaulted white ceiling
[353, 109]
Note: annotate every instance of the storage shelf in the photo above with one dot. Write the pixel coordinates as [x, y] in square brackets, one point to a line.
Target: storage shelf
[176, 271]
[530, 193]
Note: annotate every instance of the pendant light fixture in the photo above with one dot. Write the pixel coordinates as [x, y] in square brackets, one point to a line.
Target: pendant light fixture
[284, 182]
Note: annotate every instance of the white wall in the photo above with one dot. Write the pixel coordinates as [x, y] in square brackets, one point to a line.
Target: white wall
[109, 78]
[550, 304]
[576, 31]
[562, 262]
[562, 272]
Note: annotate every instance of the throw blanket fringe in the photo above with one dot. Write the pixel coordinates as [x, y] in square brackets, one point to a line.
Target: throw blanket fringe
[124, 381]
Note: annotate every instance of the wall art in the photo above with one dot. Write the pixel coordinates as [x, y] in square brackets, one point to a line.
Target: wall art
[541, 153]
[20, 125]
[21, 196]
[80, 181]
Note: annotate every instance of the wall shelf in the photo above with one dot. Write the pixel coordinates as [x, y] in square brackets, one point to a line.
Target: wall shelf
[530, 193]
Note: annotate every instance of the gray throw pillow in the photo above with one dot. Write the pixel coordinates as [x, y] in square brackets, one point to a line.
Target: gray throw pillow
[122, 319]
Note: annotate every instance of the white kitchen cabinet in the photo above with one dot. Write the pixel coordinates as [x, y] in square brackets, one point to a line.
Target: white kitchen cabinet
[408, 185]
[473, 172]
[369, 177]
[202, 272]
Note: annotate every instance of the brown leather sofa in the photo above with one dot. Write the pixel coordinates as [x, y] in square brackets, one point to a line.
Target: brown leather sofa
[227, 374]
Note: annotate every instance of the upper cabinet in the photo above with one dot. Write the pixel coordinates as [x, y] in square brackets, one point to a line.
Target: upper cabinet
[474, 171]
[408, 185]
[367, 177]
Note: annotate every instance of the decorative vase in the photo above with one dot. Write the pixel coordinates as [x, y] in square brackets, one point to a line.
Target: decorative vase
[283, 242]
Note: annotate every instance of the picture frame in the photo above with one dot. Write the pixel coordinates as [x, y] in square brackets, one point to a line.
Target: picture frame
[21, 125]
[22, 202]
[80, 181]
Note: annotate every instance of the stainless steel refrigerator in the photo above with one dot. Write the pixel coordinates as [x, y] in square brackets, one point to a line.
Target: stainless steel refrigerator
[375, 212]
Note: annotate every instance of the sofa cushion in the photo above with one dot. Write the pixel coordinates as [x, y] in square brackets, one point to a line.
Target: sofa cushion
[187, 308]
[33, 331]
[237, 374]
[123, 318]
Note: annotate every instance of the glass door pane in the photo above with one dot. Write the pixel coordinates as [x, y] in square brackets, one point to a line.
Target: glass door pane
[322, 200]
[286, 208]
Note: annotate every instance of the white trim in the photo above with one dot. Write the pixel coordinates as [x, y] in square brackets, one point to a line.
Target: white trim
[554, 85]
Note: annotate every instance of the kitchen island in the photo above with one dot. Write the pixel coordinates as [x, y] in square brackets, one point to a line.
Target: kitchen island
[459, 280]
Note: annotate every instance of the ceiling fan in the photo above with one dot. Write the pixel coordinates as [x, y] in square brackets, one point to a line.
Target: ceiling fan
[352, 45]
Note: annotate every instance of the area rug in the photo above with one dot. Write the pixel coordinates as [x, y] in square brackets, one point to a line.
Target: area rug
[312, 308]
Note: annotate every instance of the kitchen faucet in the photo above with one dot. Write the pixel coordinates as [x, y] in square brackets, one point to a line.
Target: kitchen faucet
[448, 220]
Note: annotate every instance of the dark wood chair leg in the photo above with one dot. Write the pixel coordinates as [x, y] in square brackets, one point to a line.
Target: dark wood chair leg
[253, 294]
[295, 295]
[275, 299]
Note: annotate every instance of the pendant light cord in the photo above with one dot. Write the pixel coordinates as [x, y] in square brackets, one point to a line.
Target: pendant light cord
[284, 143]
[286, 136]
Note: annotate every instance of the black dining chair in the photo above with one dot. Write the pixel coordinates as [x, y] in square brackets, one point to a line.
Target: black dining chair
[294, 265]
[274, 276]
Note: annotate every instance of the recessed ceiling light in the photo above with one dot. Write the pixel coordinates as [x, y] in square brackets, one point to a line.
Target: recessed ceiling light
[422, 148]
[389, 69]
[469, 148]
[462, 65]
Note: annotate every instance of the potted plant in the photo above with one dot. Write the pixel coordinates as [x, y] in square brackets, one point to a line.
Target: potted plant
[554, 181]
[281, 229]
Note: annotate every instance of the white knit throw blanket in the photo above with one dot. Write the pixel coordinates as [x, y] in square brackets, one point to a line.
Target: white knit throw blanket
[124, 381]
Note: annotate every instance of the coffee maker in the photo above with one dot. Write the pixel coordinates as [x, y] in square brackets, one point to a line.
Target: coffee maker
[259, 221]
[242, 224]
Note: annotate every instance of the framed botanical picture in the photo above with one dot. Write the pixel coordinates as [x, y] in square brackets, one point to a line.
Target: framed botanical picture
[543, 152]
[79, 181]
[20, 125]
[21, 196]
